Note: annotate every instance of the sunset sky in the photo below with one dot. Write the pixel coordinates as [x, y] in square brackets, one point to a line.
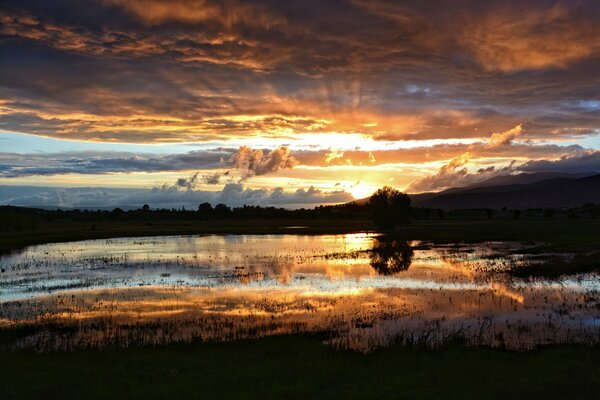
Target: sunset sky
[289, 103]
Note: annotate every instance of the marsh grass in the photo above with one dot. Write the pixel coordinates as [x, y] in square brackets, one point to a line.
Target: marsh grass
[300, 367]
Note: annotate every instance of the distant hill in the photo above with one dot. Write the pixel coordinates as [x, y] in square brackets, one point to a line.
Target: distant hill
[520, 179]
[541, 190]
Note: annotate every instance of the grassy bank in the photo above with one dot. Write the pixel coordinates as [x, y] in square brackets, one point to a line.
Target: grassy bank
[299, 368]
[563, 233]
[68, 230]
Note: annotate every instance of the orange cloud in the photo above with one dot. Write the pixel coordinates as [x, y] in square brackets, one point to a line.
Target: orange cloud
[506, 137]
[513, 39]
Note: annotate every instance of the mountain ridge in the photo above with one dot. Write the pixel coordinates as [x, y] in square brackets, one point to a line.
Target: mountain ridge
[556, 192]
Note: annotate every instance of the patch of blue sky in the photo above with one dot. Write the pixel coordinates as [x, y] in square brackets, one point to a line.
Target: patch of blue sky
[11, 142]
[588, 141]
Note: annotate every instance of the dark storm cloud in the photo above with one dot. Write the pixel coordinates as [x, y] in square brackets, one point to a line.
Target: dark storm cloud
[157, 70]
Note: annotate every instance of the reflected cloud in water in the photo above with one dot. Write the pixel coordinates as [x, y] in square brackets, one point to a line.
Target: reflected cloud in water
[360, 291]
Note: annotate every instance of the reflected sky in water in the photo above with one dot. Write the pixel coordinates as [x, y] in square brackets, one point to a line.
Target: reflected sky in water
[360, 290]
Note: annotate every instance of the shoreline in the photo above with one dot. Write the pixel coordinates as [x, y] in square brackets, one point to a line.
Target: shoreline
[571, 234]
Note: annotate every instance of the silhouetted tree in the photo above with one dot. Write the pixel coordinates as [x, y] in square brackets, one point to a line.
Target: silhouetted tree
[205, 208]
[389, 256]
[145, 208]
[390, 207]
[222, 210]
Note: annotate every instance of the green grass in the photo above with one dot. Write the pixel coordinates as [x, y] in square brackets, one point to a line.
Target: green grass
[300, 367]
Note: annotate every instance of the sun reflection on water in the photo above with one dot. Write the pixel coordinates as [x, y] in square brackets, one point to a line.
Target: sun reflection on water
[360, 290]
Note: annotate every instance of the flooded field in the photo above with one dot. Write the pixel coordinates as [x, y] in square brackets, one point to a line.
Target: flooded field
[360, 291]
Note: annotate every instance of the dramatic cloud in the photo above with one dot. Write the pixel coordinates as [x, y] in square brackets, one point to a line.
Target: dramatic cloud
[517, 38]
[505, 138]
[216, 164]
[171, 71]
[449, 175]
[586, 162]
[256, 162]
[343, 91]
[455, 174]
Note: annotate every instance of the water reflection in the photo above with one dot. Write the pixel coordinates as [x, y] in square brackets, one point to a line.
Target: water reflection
[390, 256]
[361, 291]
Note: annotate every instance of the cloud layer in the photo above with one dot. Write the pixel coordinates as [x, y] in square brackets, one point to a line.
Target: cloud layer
[183, 70]
[232, 194]
[330, 94]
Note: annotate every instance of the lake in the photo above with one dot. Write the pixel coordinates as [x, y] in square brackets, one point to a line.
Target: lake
[359, 291]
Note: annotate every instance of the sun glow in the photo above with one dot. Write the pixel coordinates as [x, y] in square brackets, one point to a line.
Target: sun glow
[360, 191]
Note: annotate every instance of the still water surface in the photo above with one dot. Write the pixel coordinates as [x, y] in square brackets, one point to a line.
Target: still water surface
[360, 291]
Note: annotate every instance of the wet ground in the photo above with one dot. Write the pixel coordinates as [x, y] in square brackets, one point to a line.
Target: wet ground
[361, 291]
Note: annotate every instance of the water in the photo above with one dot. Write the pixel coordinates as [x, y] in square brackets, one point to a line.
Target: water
[360, 291]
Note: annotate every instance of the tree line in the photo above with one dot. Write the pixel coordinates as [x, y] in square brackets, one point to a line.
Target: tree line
[387, 207]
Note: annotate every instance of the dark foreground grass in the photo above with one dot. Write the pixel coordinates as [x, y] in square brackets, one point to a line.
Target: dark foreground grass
[300, 367]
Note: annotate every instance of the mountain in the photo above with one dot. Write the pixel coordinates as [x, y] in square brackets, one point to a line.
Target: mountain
[518, 191]
[519, 179]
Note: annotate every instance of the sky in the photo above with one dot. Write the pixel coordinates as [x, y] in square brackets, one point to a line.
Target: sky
[290, 103]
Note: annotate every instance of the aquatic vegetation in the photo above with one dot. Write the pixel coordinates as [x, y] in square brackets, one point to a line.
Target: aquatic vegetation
[360, 291]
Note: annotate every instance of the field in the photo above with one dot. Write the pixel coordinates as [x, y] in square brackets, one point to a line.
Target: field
[69, 230]
[300, 367]
[561, 232]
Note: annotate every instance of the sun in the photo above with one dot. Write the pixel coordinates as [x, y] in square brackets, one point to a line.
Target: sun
[362, 191]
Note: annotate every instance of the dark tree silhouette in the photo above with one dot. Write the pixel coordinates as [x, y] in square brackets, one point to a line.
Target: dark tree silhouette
[390, 256]
[390, 207]
[145, 208]
[222, 210]
[205, 208]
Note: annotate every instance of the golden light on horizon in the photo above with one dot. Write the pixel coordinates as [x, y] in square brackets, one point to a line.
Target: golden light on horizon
[177, 90]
